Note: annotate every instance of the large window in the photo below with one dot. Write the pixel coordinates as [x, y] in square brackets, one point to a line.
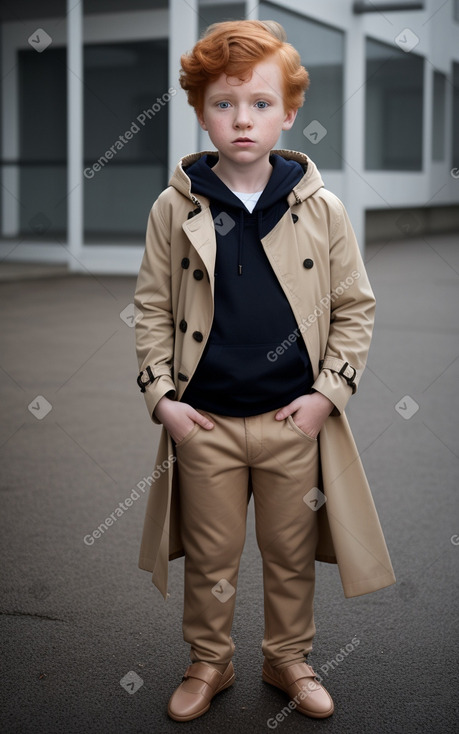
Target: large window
[125, 135]
[318, 129]
[394, 109]
[126, 103]
[42, 141]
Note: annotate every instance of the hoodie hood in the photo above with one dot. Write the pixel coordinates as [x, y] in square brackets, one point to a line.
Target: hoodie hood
[286, 174]
[269, 208]
[307, 185]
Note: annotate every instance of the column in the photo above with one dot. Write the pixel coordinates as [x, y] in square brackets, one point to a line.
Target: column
[10, 138]
[183, 34]
[251, 9]
[75, 159]
[354, 128]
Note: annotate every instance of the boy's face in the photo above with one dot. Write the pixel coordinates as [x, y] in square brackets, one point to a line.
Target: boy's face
[244, 120]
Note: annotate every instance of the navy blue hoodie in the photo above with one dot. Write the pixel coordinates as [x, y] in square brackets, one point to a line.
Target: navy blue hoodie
[252, 315]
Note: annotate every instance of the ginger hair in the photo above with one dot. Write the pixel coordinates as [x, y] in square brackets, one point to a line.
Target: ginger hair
[234, 48]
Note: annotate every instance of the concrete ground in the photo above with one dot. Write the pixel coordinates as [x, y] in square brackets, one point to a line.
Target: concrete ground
[77, 619]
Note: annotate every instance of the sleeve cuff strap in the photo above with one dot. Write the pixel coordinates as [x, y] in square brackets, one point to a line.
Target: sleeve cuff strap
[344, 369]
[148, 375]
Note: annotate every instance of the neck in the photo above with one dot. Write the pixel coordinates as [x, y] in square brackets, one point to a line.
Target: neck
[243, 177]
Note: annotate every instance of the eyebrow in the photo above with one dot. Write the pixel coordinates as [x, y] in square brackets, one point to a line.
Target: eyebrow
[258, 94]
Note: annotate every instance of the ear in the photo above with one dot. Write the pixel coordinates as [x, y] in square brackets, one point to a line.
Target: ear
[289, 119]
[201, 121]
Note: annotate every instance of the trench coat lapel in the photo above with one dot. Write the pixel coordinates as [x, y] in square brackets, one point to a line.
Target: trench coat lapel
[201, 233]
[280, 246]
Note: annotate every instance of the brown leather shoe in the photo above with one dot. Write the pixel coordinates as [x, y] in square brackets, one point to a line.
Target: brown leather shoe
[201, 683]
[299, 682]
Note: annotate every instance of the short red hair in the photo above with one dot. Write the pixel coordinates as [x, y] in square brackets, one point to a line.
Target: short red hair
[234, 48]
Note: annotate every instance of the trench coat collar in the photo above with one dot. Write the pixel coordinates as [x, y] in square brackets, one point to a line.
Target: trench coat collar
[308, 185]
[199, 228]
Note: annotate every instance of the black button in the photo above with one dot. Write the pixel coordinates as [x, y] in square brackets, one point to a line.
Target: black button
[295, 218]
[198, 274]
[308, 263]
[193, 213]
[182, 377]
[183, 326]
[185, 263]
[198, 336]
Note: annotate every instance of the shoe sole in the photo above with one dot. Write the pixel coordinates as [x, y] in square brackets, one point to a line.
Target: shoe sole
[228, 683]
[267, 678]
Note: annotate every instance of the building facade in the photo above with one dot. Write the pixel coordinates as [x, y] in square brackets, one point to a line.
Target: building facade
[93, 119]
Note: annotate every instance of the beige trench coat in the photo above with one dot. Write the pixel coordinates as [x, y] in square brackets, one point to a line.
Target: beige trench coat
[334, 307]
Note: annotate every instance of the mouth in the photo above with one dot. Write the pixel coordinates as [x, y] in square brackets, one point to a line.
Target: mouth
[243, 140]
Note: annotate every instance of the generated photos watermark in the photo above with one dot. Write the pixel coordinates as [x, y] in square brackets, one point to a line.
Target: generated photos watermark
[129, 501]
[223, 223]
[131, 682]
[223, 590]
[124, 139]
[274, 354]
[407, 407]
[40, 40]
[407, 40]
[274, 721]
[314, 499]
[315, 132]
[40, 407]
[131, 315]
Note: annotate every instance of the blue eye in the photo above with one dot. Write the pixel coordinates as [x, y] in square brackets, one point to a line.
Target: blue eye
[262, 105]
[223, 105]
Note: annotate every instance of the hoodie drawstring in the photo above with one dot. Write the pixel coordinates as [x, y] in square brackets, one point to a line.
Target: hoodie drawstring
[241, 236]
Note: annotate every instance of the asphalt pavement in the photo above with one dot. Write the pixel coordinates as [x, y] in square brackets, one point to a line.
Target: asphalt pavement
[88, 643]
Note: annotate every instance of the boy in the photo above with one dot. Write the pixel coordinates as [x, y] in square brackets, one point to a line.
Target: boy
[256, 319]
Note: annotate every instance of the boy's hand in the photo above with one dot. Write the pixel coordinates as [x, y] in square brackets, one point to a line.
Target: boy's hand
[308, 411]
[179, 418]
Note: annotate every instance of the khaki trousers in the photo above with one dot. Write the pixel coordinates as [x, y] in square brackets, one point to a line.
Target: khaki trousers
[214, 470]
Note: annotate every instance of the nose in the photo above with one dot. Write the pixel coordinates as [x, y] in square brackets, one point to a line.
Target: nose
[243, 120]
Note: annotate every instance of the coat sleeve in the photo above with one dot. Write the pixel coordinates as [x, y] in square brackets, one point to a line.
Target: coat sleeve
[352, 307]
[154, 330]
